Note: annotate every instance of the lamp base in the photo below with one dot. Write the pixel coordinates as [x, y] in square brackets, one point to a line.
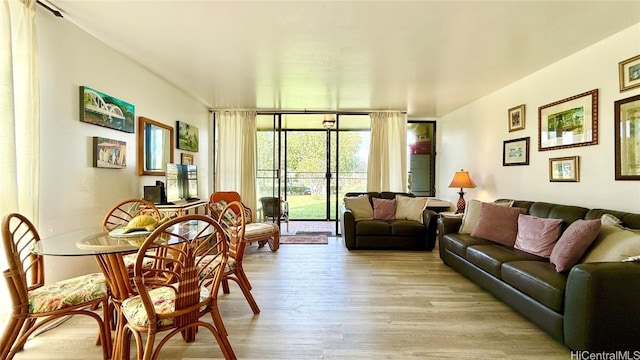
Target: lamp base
[461, 203]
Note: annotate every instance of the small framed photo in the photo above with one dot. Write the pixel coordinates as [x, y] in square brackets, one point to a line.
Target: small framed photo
[627, 138]
[186, 159]
[516, 118]
[629, 71]
[569, 122]
[564, 169]
[109, 153]
[515, 152]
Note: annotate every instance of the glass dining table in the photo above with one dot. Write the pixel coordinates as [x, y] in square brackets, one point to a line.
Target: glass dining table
[109, 250]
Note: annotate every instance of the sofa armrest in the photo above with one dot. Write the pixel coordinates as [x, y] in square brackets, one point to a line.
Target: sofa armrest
[449, 224]
[348, 228]
[601, 307]
[430, 221]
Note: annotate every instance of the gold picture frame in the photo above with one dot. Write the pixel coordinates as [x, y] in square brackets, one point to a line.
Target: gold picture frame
[516, 118]
[186, 159]
[629, 72]
[570, 122]
[627, 138]
[564, 169]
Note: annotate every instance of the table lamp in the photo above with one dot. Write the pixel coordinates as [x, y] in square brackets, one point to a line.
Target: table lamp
[461, 180]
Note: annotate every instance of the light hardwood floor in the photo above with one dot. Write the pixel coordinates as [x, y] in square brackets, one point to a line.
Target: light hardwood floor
[324, 302]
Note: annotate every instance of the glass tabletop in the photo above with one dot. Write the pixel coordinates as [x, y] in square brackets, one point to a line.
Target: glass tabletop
[96, 241]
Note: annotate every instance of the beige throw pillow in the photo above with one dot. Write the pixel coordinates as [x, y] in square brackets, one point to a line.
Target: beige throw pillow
[408, 208]
[360, 206]
[614, 243]
[472, 214]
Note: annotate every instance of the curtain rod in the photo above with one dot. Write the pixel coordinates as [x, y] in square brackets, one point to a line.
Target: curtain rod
[274, 112]
[52, 10]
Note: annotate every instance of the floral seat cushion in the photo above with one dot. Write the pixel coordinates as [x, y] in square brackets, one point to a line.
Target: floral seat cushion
[206, 262]
[67, 293]
[164, 300]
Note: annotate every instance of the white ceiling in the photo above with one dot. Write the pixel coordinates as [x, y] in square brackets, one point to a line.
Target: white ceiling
[423, 57]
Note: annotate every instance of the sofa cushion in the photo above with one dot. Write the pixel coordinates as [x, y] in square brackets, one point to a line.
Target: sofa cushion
[491, 257]
[614, 243]
[539, 280]
[384, 209]
[470, 216]
[537, 235]
[407, 227]
[360, 207]
[373, 227]
[458, 243]
[410, 208]
[573, 243]
[498, 223]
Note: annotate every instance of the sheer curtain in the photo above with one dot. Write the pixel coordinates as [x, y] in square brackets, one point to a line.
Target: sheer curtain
[236, 166]
[19, 118]
[387, 167]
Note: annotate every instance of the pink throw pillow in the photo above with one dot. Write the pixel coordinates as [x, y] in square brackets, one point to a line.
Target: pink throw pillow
[384, 209]
[537, 235]
[574, 242]
[498, 223]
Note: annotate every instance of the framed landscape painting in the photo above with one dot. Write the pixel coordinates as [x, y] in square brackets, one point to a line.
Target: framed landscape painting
[109, 153]
[187, 136]
[104, 110]
[627, 138]
[569, 122]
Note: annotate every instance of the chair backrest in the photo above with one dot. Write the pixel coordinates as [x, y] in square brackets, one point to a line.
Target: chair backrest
[233, 221]
[26, 269]
[227, 196]
[219, 199]
[126, 210]
[171, 261]
[271, 206]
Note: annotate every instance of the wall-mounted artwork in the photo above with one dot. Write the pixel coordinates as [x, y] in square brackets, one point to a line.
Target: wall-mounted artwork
[187, 136]
[629, 72]
[569, 122]
[109, 153]
[516, 118]
[101, 109]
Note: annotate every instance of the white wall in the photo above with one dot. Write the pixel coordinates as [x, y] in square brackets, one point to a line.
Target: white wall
[472, 137]
[73, 194]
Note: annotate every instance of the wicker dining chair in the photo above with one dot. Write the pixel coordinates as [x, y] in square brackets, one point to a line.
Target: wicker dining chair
[176, 306]
[260, 232]
[233, 222]
[36, 303]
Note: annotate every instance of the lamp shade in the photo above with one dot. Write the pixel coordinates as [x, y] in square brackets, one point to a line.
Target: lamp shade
[462, 180]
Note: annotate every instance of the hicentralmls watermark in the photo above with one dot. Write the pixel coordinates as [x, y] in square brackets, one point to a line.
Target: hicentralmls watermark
[606, 355]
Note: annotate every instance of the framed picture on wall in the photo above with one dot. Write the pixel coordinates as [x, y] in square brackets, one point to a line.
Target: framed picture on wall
[109, 153]
[627, 138]
[186, 159]
[105, 110]
[515, 152]
[564, 169]
[516, 118]
[569, 122]
[187, 136]
[629, 71]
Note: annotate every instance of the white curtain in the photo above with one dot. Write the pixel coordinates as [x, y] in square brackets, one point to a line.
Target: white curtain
[19, 118]
[236, 154]
[387, 166]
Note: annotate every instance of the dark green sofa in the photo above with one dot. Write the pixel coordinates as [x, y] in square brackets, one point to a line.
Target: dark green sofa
[388, 235]
[592, 307]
